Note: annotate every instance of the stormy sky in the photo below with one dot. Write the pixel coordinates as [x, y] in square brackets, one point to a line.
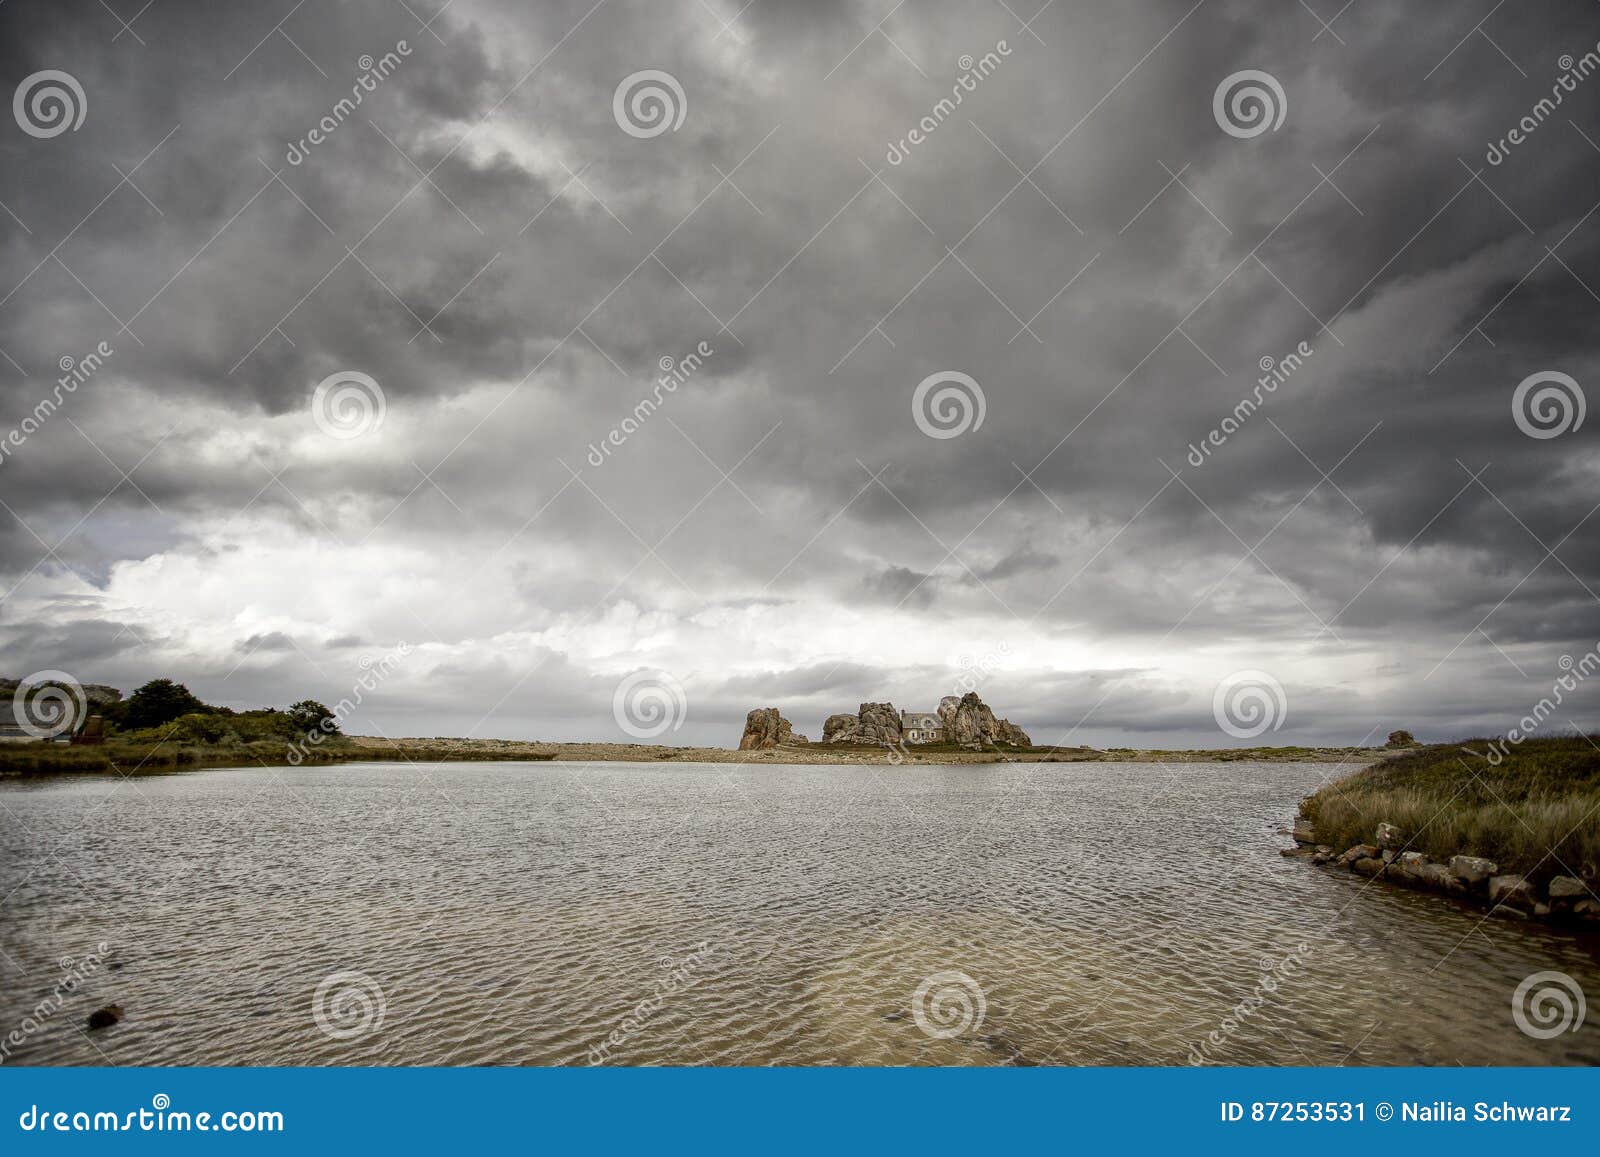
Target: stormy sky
[486, 261]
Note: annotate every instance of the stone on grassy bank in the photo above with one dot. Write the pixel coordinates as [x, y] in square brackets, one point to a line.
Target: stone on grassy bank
[1472, 877]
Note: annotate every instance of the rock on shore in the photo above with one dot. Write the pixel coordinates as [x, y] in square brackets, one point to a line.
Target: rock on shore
[764, 728]
[876, 723]
[1472, 877]
[969, 720]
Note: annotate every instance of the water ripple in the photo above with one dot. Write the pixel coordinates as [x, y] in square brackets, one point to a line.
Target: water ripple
[705, 914]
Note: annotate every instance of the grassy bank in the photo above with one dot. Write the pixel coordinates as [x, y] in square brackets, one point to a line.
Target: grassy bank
[135, 757]
[1450, 800]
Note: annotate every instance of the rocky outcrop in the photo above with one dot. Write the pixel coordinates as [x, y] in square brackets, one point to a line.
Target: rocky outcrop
[874, 723]
[968, 720]
[1011, 733]
[766, 728]
[841, 728]
[1563, 898]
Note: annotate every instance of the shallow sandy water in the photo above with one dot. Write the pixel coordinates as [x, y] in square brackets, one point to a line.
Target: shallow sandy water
[547, 913]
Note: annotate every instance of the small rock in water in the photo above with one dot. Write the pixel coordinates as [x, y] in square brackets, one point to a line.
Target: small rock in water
[895, 1016]
[1512, 891]
[105, 1017]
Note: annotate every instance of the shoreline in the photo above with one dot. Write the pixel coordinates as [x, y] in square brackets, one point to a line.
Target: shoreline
[33, 760]
[877, 755]
[1424, 819]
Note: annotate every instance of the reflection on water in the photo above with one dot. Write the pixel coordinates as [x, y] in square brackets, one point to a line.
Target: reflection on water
[714, 914]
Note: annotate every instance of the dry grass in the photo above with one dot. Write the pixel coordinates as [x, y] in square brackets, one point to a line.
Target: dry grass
[1536, 812]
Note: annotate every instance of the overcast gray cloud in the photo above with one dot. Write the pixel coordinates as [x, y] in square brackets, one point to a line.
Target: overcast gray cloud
[482, 238]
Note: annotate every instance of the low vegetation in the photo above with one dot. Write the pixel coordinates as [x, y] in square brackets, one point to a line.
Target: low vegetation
[1535, 812]
[163, 725]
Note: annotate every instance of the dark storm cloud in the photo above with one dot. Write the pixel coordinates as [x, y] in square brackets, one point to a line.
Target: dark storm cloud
[482, 238]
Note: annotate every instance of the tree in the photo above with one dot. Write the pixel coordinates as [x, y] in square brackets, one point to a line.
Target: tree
[1401, 739]
[198, 727]
[158, 702]
[309, 715]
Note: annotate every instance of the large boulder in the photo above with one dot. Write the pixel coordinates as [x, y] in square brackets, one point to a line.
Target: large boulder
[765, 728]
[1009, 732]
[875, 723]
[1390, 836]
[880, 723]
[969, 720]
[841, 729]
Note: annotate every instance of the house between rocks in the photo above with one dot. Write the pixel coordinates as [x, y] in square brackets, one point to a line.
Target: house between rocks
[966, 720]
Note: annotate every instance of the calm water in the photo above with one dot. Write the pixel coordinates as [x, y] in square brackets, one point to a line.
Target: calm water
[711, 914]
